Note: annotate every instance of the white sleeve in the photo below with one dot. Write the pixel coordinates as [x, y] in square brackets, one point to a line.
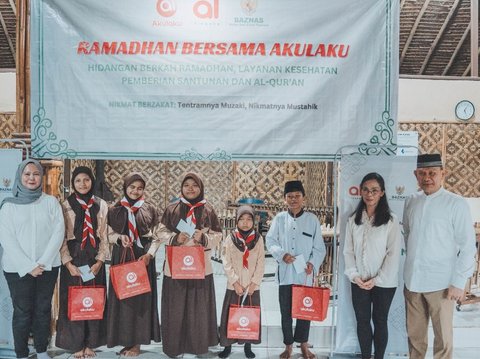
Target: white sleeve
[465, 240]
[391, 261]
[10, 244]
[272, 241]
[349, 253]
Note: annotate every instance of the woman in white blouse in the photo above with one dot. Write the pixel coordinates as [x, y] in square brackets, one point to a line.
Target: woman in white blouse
[372, 256]
[31, 234]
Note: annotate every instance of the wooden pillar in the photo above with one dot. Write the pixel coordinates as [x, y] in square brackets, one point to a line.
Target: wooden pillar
[23, 66]
[474, 38]
[53, 170]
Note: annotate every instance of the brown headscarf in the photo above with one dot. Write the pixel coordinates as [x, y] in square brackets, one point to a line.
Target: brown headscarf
[146, 217]
[205, 215]
[199, 182]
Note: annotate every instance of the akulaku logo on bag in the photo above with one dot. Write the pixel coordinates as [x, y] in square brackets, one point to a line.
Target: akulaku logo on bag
[188, 260]
[307, 304]
[131, 277]
[87, 302]
[243, 322]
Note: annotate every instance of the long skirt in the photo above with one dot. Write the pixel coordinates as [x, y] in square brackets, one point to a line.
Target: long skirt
[232, 298]
[76, 335]
[133, 320]
[189, 317]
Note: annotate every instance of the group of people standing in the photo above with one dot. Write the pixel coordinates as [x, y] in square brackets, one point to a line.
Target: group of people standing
[39, 241]
[440, 257]
[42, 237]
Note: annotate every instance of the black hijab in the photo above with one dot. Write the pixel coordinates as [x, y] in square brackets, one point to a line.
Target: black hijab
[77, 208]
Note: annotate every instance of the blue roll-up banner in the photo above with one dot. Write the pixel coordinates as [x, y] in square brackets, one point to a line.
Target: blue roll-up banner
[9, 160]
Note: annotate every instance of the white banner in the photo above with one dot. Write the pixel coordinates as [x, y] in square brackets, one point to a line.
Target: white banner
[400, 182]
[9, 160]
[212, 79]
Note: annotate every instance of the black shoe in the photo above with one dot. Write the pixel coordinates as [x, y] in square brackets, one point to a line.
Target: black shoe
[226, 352]
[248, 351]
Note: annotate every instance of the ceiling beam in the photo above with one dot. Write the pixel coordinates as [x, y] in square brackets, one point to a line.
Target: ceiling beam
[12, 5]
[402, 3]
[457, 49]
[413, 30]
[9, 40]
[474, 38]
[439, 36]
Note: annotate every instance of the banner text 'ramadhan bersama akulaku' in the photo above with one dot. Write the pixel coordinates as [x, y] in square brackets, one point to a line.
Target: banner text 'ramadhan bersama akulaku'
[212, 48]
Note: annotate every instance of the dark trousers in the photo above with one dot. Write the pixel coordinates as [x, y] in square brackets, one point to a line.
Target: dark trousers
[371, 305]
[32, 307]
[302, 327]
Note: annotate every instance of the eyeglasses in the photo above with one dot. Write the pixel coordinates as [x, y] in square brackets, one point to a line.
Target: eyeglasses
[373, 191]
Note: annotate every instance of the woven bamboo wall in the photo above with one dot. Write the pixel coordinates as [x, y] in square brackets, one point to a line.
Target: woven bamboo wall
[459, 144]
[7, 126]
[224, 181]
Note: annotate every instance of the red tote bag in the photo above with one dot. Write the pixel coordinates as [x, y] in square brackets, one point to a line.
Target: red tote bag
[86, 302]
[186, 262]
[243, 322]
[310, 303]
[129, 279]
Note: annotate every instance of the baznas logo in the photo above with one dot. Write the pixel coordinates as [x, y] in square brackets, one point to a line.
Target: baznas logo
[188, 260]
[243, 321]
[166, 8]
[399, 189]
[6, 182]
[131, 277]
[87, 302]
[307, 302]
[249, 6]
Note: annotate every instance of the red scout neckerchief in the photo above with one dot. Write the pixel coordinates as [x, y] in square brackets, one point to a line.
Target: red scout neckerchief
[191, 212]
[87, 222]
[132, 224]
[246, 251]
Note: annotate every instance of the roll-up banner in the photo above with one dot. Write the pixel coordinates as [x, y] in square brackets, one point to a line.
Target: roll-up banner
[9, 160]
[400, 182]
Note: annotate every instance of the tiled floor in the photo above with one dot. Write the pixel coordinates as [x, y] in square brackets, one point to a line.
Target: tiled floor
[466, 334]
